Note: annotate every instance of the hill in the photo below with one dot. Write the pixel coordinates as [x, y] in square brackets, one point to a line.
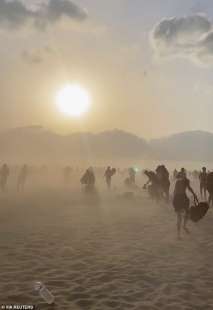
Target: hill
[36, 144]
[192, 145]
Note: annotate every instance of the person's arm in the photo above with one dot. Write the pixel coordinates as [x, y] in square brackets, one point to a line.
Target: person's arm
[191, 190]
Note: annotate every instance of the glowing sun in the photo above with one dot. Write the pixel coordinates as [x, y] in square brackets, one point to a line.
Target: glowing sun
[73, 100]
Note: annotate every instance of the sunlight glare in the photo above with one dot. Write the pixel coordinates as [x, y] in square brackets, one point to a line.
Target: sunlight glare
[73, 100]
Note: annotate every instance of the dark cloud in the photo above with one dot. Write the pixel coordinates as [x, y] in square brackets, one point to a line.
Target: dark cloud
[58, 8]
[181, 30]
[190, 37]
[14, 13]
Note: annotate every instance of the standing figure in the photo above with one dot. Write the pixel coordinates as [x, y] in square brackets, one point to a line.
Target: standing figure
[209, 185]
[22, 178]
[181, 202]
[132, 176]
[153, 185]
[108, 176]
[4, 174]
[88, 179]
[130, 181]
[203, 182]
[163, 177]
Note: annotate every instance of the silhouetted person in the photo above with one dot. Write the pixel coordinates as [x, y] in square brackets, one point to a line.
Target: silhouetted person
[108, 176]
[203, 182]
[153, 185]
[130, 181]
[209, 186]
[67, 174]
[22, 178]
[4, 174]
[183, 172]
[88, 179]
[163, 177]
[181, 201]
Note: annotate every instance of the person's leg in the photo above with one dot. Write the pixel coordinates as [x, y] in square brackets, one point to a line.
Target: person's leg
[108, 184]
[205, 192]
[151, 192]
[210, 198]
[201, 190]
[167, 194]
[158, 194]
[186, 218]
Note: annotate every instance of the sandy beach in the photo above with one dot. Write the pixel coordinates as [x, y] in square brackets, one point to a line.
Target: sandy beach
[113, 254]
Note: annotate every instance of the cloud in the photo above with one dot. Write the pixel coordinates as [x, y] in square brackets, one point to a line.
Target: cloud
[15, 14]
[189, 37]
[58, 8]
[205, 51]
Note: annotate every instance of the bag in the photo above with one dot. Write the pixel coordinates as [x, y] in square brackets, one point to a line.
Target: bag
[198, 211]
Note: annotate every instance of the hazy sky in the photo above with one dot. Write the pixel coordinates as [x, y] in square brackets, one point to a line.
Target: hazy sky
[147, 63]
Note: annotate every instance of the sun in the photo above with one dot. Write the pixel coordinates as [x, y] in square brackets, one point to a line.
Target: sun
[73, 100]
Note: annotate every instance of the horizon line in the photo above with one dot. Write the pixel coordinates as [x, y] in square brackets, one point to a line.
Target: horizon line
[40, 127]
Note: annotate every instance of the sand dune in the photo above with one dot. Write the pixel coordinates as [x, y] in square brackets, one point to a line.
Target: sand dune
[113, 255]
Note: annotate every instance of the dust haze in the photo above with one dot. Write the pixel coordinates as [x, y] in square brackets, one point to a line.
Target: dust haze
[106, 155]
[112, 249]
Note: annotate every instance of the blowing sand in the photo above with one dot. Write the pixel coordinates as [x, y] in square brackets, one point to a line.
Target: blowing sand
[112, 255]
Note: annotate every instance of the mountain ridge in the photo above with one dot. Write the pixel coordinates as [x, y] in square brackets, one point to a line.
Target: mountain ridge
[41, 144]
